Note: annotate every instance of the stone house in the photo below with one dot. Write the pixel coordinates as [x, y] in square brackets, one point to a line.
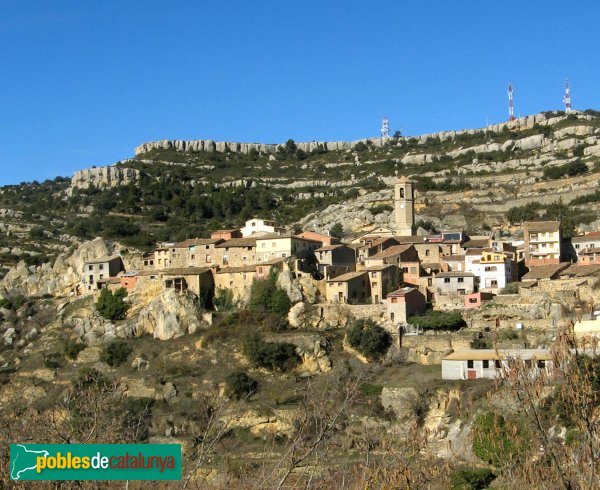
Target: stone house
[403, 303]
[453, 263]
[198, 280]
[475, 300]
[274, 245]
[239, 279]
[543, 242]
[490, 363]
[335, 259]
[162, 256]
[404, 257]
[258, 227]
[352, 287]
[452, 283]
[148, 260]
[195, 252]
[236, 252]
[372, 247]
[383, 279]
[98, 269]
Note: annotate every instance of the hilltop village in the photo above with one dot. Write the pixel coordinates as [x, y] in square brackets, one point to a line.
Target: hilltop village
[390, 275]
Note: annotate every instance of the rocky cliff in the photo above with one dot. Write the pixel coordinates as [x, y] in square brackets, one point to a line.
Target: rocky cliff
[102, 177]
[245, 148]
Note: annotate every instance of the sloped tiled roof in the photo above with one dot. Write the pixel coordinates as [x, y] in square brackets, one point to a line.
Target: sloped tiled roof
[581, 270]
[191, 242]
[103, 259]
[327, 248]
[233, 270]
[544, 271]
[477, 243]
[347, 276]
[542, 225]
[238, 242]
[390, 251]
[184, 271]
[453, 258]
[455, 274]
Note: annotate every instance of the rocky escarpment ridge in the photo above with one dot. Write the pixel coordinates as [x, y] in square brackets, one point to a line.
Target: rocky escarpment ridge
[101, 177]
[245, 148]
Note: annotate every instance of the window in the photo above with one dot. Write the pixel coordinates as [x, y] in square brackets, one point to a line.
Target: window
[402, 193]
[193, 257]
[374, 285]
[541, 364]
[497, 364]
[486, 364]
[101, 267]
[413, 270]
[244, 258]
[392, 316]
[264, 245]
[461, 279]
[90, 267]
[230, 284]
[339, 284]
[427, 253]
[469, 364]
[446, 280]
[208, 259]
[373, 274]
[472, 300]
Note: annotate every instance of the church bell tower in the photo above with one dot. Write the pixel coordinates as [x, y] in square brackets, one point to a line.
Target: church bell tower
[404, 207]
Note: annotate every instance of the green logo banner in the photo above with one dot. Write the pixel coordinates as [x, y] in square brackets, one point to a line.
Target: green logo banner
[95, 462]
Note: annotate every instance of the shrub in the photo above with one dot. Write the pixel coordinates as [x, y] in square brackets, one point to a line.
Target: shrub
[240, 385]
[368, 389]
[13, 303]
[337, 230]
[73, 348]
[510, 288]
[266, 296]
[472, 478]
[496, 440]
[54, 360]
[112, 306]
[438, 320]
[137, 417]
[37, 233]
[223, 299]
[116, 352]
[280, 356]
[368, 338]
[381, 208]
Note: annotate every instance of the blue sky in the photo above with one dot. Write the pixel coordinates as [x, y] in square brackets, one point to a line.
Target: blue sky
[83, 83]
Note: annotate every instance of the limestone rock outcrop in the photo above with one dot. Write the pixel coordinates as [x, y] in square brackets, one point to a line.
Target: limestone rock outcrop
[103, 177]
[57, 280]
[170, 315]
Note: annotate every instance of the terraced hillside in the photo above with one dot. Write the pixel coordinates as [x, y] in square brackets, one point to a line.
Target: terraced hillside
[480, 180]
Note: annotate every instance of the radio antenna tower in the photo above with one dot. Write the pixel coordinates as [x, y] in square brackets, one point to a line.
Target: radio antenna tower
[567, 98]
[511, 107]
[385, 129]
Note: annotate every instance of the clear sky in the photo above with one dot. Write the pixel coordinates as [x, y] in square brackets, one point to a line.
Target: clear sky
[83, 83]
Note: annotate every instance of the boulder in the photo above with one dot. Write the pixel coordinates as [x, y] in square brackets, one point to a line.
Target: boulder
[170, 315]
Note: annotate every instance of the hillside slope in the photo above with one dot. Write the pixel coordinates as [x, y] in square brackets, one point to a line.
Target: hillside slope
[172, 190]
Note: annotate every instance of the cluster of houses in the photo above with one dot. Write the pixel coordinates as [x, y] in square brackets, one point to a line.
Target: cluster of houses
[393, 266]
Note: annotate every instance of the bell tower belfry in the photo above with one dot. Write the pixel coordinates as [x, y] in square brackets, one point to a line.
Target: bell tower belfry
[404, 207]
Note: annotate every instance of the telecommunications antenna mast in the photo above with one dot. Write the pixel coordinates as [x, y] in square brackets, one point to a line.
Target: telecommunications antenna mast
[511, 106]
[385, 129]
[567, 98]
